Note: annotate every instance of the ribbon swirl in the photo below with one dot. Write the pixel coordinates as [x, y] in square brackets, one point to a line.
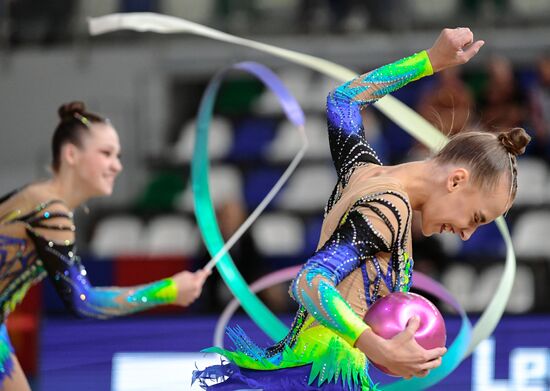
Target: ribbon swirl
[402, 115]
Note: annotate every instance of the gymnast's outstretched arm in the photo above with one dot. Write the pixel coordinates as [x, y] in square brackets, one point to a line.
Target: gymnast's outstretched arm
[53, 234]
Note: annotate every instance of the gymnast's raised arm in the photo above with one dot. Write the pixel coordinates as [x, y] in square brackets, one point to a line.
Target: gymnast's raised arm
[348, 148]
[347, 142]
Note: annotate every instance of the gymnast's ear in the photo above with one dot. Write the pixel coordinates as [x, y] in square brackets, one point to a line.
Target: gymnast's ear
[457, 179]
[70, 154]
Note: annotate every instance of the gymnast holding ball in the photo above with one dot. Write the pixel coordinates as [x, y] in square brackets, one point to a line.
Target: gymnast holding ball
[365, 250]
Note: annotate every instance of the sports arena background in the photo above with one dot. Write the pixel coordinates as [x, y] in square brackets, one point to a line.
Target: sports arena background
[150, 86]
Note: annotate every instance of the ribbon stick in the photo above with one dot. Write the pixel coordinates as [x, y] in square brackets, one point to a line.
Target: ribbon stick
[409, 120]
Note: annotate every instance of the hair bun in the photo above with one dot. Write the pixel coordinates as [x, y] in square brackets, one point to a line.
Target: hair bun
[515, 140]
[68, 110]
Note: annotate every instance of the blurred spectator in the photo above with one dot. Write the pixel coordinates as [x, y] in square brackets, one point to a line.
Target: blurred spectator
[45, 22]
[139, 6]
[503, 103]
[236, 16]
[349, 16]
[540, 106]
[448, 105]
[329, 15]
[486, 12]
[389, 14]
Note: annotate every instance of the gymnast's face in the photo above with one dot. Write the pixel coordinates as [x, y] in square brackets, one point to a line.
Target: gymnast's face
[462, 206]
[96, 163]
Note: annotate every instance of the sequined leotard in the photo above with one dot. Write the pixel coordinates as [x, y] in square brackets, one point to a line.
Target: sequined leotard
[39, 242]
[363, 254]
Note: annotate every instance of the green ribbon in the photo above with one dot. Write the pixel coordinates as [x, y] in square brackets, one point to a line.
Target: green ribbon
[402, 115]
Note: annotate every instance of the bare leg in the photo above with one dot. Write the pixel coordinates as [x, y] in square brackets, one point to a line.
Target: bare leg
[17, 381]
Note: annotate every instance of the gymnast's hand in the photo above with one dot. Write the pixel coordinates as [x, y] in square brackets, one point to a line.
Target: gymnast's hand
[189, 285]
[402, 355]
[453, 47]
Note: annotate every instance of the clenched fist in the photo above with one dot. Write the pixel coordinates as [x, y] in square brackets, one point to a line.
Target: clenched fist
[453, 47]
[189, 286]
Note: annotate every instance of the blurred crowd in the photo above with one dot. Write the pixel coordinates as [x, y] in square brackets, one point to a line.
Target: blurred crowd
[62, 21]
[504, 99]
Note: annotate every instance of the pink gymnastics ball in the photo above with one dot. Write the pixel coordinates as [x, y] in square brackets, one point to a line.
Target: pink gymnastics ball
[389, 315]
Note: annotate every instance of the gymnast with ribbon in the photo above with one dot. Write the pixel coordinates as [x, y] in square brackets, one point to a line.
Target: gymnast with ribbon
[37, 235]
[365, 249]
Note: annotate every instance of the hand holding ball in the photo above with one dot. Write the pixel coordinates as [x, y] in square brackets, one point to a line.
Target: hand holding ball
[389, 316]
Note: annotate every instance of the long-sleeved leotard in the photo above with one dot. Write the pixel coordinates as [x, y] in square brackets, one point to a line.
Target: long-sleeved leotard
[362, 227]
[41, 243]
[348, 145]
[376, 223]
[357, 238]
